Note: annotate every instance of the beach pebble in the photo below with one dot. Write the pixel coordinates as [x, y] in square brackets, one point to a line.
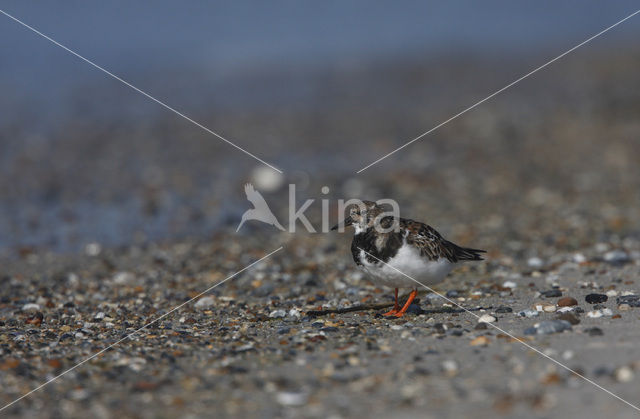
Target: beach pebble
[567, 302]
[594, 331]
[535, 262]
[266, 179]
[579, 258]
[504, 309]
[31, 307]
[123, 278]
[623, 374]
[551, 293]
[486, 318]
[596, 298]
[528, 313]
[432, 297]
[566, 309]
[204, 302]
[616, 257]
[93, 249]
[569, 317]
[450, 366]
[548, 326]
[630, 300]
[276, 314]
[295, 313]
[287, 398]
[509, 284]
[599, 313]
[480, 341]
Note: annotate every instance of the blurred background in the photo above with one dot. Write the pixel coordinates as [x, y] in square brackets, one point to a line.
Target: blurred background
[320, 91]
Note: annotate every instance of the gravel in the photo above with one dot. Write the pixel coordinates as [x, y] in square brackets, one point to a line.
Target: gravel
[244, 353]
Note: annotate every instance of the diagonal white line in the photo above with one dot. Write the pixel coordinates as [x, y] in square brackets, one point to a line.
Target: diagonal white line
[507, 333]
[497, 92]
[139, 90]
[138, 330]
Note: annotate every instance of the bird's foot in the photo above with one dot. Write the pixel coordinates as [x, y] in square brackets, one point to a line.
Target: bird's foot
[391, 312]
[412, 296]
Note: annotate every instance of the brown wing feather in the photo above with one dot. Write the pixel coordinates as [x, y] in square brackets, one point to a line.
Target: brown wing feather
[433, 246]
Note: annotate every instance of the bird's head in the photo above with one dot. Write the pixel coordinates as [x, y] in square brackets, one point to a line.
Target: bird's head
[362, 215]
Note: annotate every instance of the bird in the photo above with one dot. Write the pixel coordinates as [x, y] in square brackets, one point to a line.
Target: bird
[260, 210]
[391, 249]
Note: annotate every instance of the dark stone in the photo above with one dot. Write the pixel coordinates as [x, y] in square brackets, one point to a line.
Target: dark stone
[481, 326]
[603, 371]
[596, 298]
[594, 331]
[552, 326]
[329, 329]
[504, 309]
[440, 328]
[551, 293]
[419, 370]
[631, 300]
[569, 317]
[414, 309]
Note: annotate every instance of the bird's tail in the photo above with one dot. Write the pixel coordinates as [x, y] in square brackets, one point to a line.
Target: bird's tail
[466, 253]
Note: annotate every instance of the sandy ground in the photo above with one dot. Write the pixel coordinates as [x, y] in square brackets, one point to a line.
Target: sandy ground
[250, 349]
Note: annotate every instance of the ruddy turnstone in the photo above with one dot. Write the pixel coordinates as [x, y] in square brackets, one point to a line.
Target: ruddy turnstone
[412, 247]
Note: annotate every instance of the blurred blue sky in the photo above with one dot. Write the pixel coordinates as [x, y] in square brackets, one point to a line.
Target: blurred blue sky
[161, 39]
[229, 35]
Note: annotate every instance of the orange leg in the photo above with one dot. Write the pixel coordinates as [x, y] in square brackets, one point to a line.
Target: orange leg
[395, 307]
[407, 304]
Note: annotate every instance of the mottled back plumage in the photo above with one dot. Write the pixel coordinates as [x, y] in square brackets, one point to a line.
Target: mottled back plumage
[433, 246]
[422, 236]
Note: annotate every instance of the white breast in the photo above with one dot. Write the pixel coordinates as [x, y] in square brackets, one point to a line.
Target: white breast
[408, 261]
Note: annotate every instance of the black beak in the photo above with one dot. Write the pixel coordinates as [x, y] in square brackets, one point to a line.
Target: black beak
[346, 223]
